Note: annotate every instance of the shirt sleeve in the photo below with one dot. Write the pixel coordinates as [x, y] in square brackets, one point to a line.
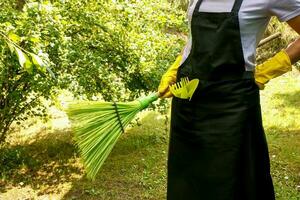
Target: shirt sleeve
[284, 9]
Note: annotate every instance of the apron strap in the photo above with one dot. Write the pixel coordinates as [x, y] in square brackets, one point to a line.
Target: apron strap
[237, 5]
[198, 6]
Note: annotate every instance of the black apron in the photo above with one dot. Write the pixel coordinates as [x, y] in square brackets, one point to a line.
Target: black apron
[217, 147]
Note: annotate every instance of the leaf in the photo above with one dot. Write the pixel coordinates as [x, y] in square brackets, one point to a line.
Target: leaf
[24, 60]
[7, 24]
[50, 72]
[41, 65]
[38, 62]
[15, 38]
[34, 39]
[10, 46]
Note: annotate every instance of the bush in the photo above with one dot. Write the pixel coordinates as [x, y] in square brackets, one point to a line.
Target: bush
[113, 51]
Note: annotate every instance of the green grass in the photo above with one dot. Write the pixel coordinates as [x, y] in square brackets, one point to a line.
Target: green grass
[281, 117]
[41, 162]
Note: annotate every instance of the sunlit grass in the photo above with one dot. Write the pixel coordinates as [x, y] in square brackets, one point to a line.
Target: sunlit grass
[281, 117]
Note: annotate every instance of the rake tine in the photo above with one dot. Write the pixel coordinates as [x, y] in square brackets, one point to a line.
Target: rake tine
[184, 81]
[96, 138]
[187, 80]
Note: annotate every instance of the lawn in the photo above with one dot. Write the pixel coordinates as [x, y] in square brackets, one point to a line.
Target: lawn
[41, 162]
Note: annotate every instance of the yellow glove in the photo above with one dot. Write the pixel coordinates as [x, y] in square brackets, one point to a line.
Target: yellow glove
[272, 68]
[169, 78]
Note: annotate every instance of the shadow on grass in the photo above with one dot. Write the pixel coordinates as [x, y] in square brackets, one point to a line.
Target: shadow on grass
[284, 149]
[283, 135]
[290, 100]
[135, 169]
[52, 159]
[41, 164]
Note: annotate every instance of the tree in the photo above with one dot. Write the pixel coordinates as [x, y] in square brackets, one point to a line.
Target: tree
[111, 51]
[23, 78]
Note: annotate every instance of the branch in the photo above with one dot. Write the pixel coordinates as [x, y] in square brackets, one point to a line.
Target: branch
[15, 44]
[269, 39]
[20, 4]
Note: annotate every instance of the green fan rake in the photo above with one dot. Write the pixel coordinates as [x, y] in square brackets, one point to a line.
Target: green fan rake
[98, 125]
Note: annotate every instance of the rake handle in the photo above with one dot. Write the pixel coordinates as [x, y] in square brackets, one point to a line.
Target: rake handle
[145, 102]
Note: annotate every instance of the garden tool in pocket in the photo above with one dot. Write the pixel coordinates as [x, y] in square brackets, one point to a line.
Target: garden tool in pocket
[185, 88]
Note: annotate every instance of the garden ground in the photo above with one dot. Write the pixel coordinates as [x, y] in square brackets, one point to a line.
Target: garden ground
[42, 162]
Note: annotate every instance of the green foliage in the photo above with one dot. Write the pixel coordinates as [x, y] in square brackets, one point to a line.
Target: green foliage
[114, 50]
[13, 158]
[107, 49]
[23, 63]
[120, 48]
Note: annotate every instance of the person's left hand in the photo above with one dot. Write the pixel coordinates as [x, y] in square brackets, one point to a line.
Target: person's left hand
[272, 68]
[282, 61]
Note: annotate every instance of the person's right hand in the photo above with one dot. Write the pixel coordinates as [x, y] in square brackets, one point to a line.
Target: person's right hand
[163, 87]
[168, 79]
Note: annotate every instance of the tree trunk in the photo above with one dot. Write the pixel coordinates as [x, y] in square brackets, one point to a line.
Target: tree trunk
[20, 4]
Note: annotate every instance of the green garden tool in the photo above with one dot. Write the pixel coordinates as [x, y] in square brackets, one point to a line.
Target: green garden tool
[98, 125]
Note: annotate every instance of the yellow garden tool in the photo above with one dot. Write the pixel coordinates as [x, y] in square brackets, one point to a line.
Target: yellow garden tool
[185, 88]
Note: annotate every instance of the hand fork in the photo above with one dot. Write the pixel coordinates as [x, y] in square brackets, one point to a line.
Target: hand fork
[179, 89]
[185, 88]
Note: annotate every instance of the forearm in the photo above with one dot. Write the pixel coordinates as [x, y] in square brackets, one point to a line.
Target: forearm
[293, 50]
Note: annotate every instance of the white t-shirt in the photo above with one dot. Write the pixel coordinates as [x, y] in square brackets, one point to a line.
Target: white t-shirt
[254, 17]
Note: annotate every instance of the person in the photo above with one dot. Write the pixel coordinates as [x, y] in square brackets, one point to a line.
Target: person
[217, 147]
